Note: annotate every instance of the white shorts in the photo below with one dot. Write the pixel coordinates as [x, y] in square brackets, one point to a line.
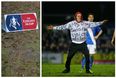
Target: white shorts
[92, 49]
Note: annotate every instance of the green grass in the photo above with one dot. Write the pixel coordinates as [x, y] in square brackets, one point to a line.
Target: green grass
[55, 70]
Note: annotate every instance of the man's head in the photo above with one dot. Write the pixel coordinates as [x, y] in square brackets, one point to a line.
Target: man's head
[78, 16]
[90, 17]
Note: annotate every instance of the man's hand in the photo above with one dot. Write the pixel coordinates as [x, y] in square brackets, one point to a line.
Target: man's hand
[50, 27]
[96, 37]
[104, 21]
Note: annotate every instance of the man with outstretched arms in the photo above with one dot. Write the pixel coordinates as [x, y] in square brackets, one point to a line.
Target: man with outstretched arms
[78, 29]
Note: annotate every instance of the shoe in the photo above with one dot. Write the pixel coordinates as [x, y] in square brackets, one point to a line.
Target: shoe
[66, 71]
[89, 71]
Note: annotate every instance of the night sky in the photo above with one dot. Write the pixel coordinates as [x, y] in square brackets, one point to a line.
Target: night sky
[57, 12]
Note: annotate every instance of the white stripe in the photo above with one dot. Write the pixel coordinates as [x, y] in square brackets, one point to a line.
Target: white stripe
[91, 35]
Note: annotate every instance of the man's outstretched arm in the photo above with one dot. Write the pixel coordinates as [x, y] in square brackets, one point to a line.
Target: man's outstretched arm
[60, 27]
[94, 24]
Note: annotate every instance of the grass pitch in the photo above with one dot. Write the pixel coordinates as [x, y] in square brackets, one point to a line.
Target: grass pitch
[55, 70]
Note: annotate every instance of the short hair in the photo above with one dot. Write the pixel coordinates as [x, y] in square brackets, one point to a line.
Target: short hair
[78, 12]
[90, 14]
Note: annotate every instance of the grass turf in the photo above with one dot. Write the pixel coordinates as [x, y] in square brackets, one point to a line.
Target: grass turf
[55, 70]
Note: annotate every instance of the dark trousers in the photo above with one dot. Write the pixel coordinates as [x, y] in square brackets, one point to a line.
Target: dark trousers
[80, 48]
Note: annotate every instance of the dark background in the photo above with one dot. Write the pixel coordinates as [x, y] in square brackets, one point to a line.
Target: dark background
[56, 12]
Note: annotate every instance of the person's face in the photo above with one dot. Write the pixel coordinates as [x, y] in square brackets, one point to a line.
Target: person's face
[90, 18]
[79, 17]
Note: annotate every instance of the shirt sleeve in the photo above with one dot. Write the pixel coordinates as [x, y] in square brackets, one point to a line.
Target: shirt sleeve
[62, 27]
[95, 24]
